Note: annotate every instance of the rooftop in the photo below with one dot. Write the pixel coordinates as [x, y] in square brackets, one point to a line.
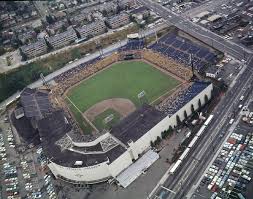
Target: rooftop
[137, 124]
[35, 103]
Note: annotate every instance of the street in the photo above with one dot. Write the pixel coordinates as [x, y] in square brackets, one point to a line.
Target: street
[178, 185]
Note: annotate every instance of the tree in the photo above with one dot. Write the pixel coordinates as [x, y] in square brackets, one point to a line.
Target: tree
[152, 144]
[178, 120]
[185, 115]
[158, 139]
[192, 108]
[163, 134]
[199, 104]
[206, 99]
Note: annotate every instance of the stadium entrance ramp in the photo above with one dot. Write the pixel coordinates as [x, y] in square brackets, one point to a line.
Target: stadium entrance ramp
[129, 175]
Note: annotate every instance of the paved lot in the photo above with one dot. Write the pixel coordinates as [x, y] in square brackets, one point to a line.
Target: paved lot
[141, 188]
[240, 128]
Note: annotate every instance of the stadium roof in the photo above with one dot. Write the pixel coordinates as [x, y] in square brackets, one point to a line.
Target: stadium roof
[137, 124]
[54, 126]
[68, 158]
[35, 103]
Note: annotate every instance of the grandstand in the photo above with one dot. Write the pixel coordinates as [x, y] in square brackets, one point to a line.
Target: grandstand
[183, 98]
[183, 50]
[133, 44]
[89, 159]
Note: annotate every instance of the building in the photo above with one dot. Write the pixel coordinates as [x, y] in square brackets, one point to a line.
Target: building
[80, 19]
[108, 8]
[214, 18]
[126, 4]
[92, 29]
[98, 159]
[57, 27]
[118, 20]
[62, 39]
[27, 37]
[34, 49]
[140, 14]
[142, 11]
[212, 72]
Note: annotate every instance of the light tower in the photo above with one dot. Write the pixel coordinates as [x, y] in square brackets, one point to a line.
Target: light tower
[44, 81]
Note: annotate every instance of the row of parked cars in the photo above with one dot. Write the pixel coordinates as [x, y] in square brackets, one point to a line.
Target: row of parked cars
[230, 173]
[49, 187]
[28, 174]
[11, 181]
[42, 159]
[10, 176]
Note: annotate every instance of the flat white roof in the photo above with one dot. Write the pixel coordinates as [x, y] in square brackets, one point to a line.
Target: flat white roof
[213, 17]
[129, 175]
[202, 14]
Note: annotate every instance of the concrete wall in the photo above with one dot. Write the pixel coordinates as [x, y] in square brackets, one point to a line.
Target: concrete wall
[121, 163]
[85, 174]
[143, 143]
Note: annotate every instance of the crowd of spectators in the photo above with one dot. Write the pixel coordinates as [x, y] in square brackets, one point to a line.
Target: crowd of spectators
[167, 64]
[176, 101]
[77, 74]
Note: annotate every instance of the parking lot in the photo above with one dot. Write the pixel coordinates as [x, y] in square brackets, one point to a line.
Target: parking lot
[230, 175]
[23, 174]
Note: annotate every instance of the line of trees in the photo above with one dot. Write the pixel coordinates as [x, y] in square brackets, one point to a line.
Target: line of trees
[165, 134]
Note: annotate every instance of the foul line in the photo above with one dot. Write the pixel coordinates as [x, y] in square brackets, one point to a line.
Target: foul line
[82, 115]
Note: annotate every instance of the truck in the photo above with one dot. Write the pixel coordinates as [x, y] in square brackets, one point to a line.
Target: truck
[241, 98]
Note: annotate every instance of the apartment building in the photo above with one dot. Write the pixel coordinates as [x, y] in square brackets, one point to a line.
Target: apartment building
[62, 39]
[92, 29]
[118, 20]
[34, 49]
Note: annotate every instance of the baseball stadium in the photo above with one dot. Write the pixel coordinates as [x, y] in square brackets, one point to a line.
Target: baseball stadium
[97, 122]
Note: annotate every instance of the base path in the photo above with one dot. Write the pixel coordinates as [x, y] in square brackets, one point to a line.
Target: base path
[123, 106]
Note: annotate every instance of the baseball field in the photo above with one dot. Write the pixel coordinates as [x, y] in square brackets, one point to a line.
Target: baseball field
[122, 80]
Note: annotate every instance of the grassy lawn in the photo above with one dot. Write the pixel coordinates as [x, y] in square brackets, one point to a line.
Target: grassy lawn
[124, 80]
[99, 120]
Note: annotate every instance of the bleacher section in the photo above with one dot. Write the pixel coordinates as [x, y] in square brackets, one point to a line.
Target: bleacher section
[170, 107]
[133, 44]
[179, 49]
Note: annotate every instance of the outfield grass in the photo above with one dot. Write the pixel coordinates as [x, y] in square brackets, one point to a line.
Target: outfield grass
[99, 120]
[122, 80]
